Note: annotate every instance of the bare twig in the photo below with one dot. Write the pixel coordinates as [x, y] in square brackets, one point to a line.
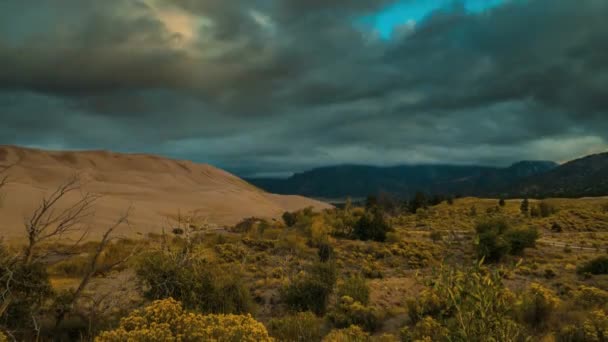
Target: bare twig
[46, 222]
[94, 267]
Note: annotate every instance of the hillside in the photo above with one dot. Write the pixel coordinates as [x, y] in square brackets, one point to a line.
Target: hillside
[155, 188]
[587, 176]
[404, 181]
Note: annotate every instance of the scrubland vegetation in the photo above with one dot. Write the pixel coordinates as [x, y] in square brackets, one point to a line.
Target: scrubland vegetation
[446, 269]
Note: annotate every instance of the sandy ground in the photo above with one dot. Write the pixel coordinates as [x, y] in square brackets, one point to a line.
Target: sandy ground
[155, 189]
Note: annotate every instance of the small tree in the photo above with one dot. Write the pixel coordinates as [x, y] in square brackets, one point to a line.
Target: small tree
[326, 251]
[524, 207]
[502, 202]
[372, 226]
[419, 201]
[491, 243]
[289, 218]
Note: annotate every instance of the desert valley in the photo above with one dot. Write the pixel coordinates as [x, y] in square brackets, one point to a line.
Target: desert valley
[90, 237]
[304, 170]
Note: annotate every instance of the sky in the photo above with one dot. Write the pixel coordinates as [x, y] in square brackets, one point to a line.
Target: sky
[271, 87]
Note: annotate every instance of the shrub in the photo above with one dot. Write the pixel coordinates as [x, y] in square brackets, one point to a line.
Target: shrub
[303, 326]
[326, 252]
[593, 328]
[198, 285]
[428, 303]
[537, 304]
[166, 320]
[312, 291]
[501, 202]
[350, 334]
[27, 287]
[436, 235]
[495, 239]
[588, 297]
[372, 226]
[290, 219]
[520, 239]
[475, 297]
[596, 266]
[356, 288]
[546, 209]
[491, 243]
[72, 267]
[525, 206]
[350, 312]
[427, 329]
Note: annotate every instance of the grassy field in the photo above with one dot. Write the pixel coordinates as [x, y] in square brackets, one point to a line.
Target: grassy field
[268, 256]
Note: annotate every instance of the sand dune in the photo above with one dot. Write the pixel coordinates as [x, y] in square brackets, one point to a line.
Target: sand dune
[155, 188]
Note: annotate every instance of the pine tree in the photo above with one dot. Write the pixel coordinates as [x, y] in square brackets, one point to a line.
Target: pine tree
[525, 206]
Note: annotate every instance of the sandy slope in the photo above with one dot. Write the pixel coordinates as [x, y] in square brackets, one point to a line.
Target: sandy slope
[156, 188]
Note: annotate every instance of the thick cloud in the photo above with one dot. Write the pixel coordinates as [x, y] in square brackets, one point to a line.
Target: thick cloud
[274, 86]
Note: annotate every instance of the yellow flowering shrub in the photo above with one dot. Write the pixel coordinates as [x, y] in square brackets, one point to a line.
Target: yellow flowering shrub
[427, 303]
[594, 328]
[589, 296]
[166, 320]
[537, 304]
[349, 312]
[427, 329]
[350, 334]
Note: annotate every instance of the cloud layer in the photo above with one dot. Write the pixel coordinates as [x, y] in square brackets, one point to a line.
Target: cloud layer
[274, 86]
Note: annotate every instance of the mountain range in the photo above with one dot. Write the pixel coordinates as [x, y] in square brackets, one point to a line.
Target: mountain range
[587, 176]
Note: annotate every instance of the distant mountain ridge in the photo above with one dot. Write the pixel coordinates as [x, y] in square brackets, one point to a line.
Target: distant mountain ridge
[584, 177]
[403, 181]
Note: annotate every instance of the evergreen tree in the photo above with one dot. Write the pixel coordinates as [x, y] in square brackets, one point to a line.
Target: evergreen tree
[419, 201]
[525, 206]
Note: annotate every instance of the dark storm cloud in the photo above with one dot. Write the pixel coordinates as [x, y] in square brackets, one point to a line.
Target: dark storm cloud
[277, 86]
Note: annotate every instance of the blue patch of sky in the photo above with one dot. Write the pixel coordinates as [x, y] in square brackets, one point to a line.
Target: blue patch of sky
[397, 14]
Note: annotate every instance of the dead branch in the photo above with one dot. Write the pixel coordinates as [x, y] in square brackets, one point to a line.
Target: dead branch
[94, 268]
[47, 222]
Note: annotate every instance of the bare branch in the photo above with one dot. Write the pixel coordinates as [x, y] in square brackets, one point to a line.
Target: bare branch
[48, 222]
[94, 266]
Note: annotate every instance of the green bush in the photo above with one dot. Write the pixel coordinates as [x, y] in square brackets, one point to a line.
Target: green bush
[312, 291]
[520, 239]
[289, 218]
[326, 251]
[471, 303]
[596, 266]
[26, 288]
[495, 239]
[195, 283]
[491, 242]
[302, 326]
[372, 226]
[350, 312]
[546, 209]
[356, 288]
